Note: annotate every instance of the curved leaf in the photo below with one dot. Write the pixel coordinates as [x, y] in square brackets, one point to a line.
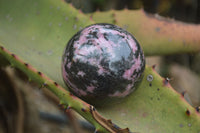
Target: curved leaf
[156, 34]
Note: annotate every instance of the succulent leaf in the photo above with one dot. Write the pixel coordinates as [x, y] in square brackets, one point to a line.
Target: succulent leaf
[156, 34]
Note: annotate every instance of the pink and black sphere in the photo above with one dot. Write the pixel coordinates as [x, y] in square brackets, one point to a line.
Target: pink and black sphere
[102, 60]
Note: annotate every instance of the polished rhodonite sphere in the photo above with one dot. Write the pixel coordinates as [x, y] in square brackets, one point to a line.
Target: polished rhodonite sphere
[102, 60]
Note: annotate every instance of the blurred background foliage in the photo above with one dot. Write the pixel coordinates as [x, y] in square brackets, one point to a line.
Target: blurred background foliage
[183, 10]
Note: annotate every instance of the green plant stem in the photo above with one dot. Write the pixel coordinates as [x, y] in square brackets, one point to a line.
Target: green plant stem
[67, 99]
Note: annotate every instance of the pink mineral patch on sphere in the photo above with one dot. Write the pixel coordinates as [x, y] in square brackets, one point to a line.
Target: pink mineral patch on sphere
[102, 60]
[81, 73]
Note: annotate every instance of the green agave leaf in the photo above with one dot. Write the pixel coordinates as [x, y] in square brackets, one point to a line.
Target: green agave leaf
[37, 31]
[154, 107]
[157, 35]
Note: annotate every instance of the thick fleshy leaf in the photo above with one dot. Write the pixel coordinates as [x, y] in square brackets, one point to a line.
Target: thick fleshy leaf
[38, 31]
[157, 35]
[153, 107]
